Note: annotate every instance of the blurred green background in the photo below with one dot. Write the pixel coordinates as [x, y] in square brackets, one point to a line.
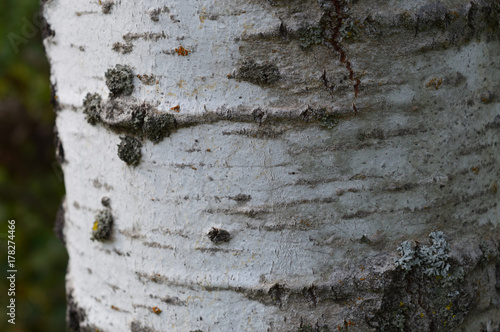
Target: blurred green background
[31, 186]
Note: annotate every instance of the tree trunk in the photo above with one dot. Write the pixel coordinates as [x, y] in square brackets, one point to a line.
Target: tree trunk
[279, 165]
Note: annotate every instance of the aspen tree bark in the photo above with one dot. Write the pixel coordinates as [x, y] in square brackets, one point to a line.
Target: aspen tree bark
[279, 165]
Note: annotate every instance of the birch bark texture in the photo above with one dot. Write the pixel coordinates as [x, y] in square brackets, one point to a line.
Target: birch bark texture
[279, 165]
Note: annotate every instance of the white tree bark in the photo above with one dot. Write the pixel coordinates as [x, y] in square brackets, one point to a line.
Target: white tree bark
[316, 136]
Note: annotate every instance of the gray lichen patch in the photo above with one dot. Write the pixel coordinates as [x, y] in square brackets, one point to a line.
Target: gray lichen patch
[129, 150]
[123, 48]
[258, 73]
[156, 126]
[428, 289]
[350, 29]
[137, 116]
[120, 80]
[92, 107]
[107, 6]
[134, 119]
[154, 13]
[432, 260]
[328, 119]
[217, 235]
[101, 230]
[310, 35]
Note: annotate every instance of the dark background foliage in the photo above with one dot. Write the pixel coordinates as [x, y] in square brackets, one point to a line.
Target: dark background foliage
[31, 184]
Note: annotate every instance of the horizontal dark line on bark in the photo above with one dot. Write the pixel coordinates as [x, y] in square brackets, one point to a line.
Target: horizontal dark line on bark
[157, 245]
[86, 13]
[400, 187]
[169, 232]
[448, 200]
[281, 294]
[356, 177]
[471, 150]
[216, 249]
[294, 226]
[428, 27]
[256, 133]
[120, 253]
[358, 214]
[169, 300]
[149, 36]
[131, 234]
[259, 115]
[116, 114]
[376, 142]
[268, 208]
[451, 201]
[113, 287]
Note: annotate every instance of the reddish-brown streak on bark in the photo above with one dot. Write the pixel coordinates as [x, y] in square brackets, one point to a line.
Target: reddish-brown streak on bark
[334, 41]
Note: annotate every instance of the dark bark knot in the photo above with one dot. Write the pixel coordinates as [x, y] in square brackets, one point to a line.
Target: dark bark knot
[217, 235]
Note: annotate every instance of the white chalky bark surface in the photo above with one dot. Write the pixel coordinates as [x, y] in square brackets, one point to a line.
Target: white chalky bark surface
[326, 207]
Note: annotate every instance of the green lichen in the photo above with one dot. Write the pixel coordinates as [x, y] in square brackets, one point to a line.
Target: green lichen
[311, 328]
[103, 223]
[327, 119]
[120, 80]
[310, 35]
[129, 150]
[489, 250]
[92, 107]
[350, 29]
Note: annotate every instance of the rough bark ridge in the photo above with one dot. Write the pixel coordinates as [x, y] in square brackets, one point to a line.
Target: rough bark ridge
[279, 165]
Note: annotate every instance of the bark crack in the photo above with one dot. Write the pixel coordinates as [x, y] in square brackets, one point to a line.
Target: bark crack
[335, 42]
